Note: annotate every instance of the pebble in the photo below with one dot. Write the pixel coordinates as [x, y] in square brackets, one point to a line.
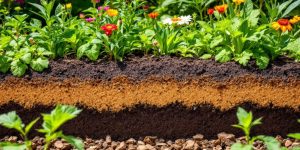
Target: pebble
[198, 137]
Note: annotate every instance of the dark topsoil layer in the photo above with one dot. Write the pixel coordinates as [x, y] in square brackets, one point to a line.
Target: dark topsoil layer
[170, 122]
[138, 68]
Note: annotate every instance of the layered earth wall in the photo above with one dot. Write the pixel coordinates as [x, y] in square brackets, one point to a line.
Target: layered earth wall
[168, 97]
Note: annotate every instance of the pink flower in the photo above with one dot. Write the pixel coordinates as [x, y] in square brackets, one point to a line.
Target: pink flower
[105, 8]
[90, 19]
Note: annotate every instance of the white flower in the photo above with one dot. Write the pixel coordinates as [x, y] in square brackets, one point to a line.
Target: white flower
[185, 20]
[167, 21]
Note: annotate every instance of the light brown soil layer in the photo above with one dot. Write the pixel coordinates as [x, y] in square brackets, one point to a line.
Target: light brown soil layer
[120, 92]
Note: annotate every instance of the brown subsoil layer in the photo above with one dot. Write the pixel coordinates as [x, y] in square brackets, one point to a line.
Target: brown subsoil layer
[154, 81]
[169, 122]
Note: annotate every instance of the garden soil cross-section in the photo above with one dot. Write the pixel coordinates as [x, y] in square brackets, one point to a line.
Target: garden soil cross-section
[163, 83]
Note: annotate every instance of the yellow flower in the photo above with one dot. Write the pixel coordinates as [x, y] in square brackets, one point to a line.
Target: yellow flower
[68, 5]
[295, 20]
[283, 25]
[238, 2]
[112, 12]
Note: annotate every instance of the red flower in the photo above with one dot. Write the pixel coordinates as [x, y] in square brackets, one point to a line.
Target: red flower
[109, 28]
[153, 15]
[221, 8]
[210, 11]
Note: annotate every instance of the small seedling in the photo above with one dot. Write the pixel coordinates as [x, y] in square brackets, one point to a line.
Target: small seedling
[50, 126]
[245, 123]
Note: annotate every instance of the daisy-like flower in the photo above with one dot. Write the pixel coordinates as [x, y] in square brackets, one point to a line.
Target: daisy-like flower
[185, 20]
[167, 21]
[109, 28]
[221, 8]
[153, 15]
[112, 12]
[238, 2]
[283, 25]
[295, 20]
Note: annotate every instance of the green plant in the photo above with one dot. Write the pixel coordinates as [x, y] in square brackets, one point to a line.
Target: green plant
[246, 122]
[50, 126]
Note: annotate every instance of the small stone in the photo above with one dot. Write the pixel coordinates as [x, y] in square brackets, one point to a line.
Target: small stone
[95, 147]
[218, 147]
[161, 144]
[59, 144]
[140, 143]
[131, 147]
[114, 144]
[288, 143]
[180, 142]
[224, 135]
[131, 141]
[198, 137]
[142, 147]
[12, 139]
[121, 146]
[176, 146]
[149, 147]
[108, 139]
[189, 144]
[169, 142]
[150, 140]
[105, 145]
[295, 144]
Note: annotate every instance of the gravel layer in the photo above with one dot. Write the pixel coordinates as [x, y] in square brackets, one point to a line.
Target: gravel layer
[197, 142]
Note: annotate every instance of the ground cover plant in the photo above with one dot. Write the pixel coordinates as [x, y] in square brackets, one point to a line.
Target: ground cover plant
[31, 33]
[50, 128]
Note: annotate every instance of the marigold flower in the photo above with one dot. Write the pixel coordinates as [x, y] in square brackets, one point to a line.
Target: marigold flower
[210, 11]
[238, 2]
[68, 6]
[109, 28]
[112, 12]
[221, 8]
[282, 24]
[153, 15]
[295, 20]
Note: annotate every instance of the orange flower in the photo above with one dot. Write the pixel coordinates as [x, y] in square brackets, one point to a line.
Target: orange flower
[112, 12]
[295, 20]
[282, 24]
[221, 8]
[153, 15]
[238, 2]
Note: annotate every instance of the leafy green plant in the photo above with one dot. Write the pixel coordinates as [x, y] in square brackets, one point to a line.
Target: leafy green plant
[50, 126]
[246, 122]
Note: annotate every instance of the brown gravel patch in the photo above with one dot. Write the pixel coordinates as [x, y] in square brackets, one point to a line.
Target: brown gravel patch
[122, 92]
[197, 142]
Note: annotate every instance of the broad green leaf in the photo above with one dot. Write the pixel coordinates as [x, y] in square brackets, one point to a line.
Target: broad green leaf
[12, 146]
[12, 121]
[293, 48]
[39, 64]
[93, 53]
[4, 64]
[216, 41]
[18, 68]
[244, 117]
[81, 50]
[223, 56]
[270, 142]
[254, 17]
[58, 116]
[294, 135]
[206, 56]
[262, 61]
[77, 143]
[239, 146]
[244, 57]
[26, 58]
